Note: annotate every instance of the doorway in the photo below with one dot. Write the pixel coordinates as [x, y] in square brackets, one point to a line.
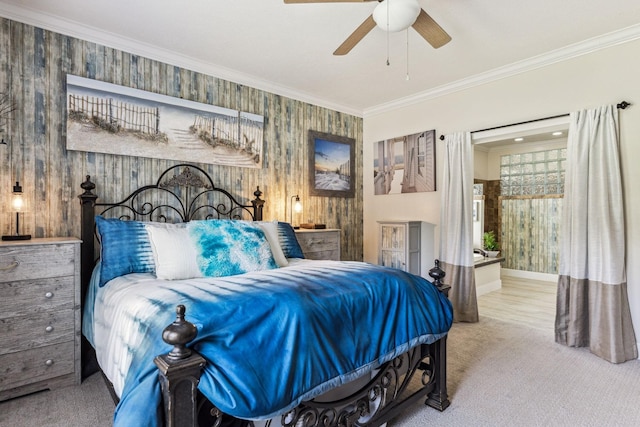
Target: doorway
[521, 169]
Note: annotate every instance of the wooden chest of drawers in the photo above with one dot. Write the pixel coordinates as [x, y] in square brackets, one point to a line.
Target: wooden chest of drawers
[320, 244]
[39, 315]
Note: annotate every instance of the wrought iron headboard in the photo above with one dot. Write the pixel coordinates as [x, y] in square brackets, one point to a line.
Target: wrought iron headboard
[182, 193]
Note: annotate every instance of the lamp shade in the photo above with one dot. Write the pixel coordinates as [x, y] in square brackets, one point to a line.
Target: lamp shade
[296, 206]
[396, 15]
[18, 204]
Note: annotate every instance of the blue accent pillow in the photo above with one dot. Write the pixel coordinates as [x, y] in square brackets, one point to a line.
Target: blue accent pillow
[288, 241]
[124, 248]
[229, 247]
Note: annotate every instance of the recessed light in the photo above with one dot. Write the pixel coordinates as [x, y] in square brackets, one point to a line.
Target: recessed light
[519, 139]
[557, 133]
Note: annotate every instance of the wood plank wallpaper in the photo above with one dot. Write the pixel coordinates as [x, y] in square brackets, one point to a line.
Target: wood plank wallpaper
[530, 239]
[33, 68]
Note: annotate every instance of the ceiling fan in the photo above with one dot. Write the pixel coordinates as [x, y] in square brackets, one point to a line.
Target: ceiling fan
[391, 15]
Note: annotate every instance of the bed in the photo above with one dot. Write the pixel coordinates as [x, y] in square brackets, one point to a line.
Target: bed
[198, 312]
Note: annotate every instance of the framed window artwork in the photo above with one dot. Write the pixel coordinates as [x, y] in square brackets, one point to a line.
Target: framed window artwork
[405, 164]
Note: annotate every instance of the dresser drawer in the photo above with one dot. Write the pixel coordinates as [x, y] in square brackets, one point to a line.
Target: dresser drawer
[27, 332]
[22, 262]
[28, 297]
[36, 365]
[320, 244]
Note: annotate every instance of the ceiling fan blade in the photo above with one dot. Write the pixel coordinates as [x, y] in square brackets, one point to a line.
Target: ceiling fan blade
[326, 1]
[430, 30]
[355, 37]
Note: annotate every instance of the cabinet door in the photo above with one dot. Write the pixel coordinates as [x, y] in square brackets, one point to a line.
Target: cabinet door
[393, 252]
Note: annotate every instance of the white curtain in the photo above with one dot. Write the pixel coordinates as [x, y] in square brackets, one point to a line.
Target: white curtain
[456, 226]
[592, 304]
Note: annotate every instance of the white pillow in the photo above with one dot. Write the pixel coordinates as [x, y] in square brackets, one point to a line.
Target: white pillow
[173, 251]
[270, 230]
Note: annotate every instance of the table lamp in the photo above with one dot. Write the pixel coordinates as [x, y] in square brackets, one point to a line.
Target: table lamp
[18, 205]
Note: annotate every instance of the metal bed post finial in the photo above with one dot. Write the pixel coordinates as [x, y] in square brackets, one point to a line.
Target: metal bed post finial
[437, 274]
[258, 205]
[179, 334]
[88, 186]
[179, 367]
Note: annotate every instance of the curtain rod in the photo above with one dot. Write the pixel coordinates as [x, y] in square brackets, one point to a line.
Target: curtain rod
[622, 106]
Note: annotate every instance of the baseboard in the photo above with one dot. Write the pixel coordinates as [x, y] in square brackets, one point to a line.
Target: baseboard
[531, 275]
[488, 287]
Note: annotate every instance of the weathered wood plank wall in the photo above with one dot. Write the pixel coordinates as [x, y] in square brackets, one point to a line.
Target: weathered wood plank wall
[33, 68]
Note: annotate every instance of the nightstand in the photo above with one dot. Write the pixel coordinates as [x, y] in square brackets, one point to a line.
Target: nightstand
[320, 244]
[39, 314]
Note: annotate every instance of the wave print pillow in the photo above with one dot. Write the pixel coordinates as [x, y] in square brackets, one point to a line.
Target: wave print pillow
[228, 247]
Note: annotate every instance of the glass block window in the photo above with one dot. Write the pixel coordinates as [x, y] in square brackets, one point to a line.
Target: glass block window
[536, 173]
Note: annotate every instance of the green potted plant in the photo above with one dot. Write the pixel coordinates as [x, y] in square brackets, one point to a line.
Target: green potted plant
[490, 244]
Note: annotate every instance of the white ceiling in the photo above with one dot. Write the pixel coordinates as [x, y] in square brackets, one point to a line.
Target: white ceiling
[287, 48]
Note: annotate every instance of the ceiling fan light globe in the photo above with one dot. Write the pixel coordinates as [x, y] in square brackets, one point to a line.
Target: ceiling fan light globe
[401, 13]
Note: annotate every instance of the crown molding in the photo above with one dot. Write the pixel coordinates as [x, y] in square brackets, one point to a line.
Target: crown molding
[578, 49]
[84, 32]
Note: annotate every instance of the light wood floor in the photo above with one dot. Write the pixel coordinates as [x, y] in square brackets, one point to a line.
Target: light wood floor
[523, 301]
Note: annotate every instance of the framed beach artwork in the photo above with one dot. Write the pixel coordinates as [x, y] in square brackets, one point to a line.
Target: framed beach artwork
[405, 164]
[331, 165]
[108, 118]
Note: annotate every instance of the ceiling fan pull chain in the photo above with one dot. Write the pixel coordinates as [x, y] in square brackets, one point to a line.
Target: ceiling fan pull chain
[388, 63]
[388, 34]
[407, 30]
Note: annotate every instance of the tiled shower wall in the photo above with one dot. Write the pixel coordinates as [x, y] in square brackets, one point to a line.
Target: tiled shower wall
[491, 207]
[491, 192]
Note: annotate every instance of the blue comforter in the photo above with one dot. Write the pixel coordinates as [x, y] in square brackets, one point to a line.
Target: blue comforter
[275, 338]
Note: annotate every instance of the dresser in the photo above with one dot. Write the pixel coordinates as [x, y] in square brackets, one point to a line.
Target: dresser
[320, 244]
[39, 315]
[407, 245]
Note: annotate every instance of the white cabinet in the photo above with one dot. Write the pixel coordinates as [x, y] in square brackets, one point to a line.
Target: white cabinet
[407, 245]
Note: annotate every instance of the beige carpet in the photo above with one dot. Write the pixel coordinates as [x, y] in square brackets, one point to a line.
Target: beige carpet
[500, 374]
[86, 405]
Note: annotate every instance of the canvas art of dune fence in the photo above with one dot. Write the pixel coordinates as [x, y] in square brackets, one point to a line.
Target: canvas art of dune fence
[238, 132]
[115, 115]
[113, 119]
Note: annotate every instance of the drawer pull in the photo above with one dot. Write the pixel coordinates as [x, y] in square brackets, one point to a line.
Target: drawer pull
[48, 295]
[49, 362]
[48, 329]
[11, 266]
